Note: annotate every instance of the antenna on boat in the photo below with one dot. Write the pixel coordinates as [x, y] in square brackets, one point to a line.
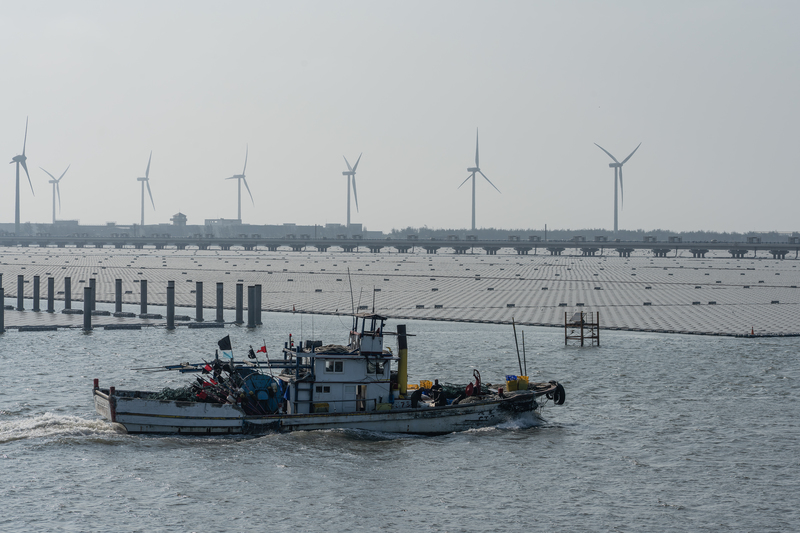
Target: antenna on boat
[373, 299]
[352, 302]
[515, 342]
[524, 361]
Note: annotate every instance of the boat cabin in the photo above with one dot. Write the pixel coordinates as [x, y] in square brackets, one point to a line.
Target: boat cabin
[341, 379]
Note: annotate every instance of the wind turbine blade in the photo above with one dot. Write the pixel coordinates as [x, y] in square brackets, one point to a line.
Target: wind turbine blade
[58, 191]
[49, 174]
[476, 148]
[246, 151]
[29, 176]
[621, 194]
[348, 164]
[355, 194]
[466, 180]
[151, 194]
[606, 151]
[356, 165]
[25, 142]
[634, 151]
[248, 191]
[147, 172]
[233, 178]
[62, 175]
[490, 183]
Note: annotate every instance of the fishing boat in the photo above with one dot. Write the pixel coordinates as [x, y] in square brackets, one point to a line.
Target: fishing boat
[311, 386]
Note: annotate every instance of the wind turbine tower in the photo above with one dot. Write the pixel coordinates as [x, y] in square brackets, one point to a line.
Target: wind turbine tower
[476, 170]
[351, 174]
[21, 160]
[617, 166]
[56, 189]
[240, 178]
[146, 180]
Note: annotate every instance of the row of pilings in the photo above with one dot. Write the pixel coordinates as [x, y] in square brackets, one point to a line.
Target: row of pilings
[90, 294]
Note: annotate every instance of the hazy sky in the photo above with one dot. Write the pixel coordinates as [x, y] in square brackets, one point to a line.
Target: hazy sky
[710, 88]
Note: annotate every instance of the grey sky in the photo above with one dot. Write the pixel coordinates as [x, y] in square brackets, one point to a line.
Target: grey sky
[710, 89]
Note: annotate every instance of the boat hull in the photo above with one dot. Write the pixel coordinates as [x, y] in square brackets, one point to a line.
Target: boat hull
[133, 413]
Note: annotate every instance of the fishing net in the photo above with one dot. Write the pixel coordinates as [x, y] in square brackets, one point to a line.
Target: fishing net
[184, 394]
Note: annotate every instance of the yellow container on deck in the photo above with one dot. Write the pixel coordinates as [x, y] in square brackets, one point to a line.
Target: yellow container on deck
[511, 385]
[425, 384]
[412, 386]
[522, 382]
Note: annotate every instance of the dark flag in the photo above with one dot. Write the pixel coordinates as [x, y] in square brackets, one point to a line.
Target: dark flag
[225, 346]
[225, 343]
[251, 354]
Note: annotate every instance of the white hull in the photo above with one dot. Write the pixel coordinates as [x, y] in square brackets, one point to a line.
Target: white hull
[137, 415]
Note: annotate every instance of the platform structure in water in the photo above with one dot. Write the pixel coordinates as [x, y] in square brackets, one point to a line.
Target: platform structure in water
[582, 326]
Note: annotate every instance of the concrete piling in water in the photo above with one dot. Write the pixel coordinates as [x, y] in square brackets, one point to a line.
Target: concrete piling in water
[36, 287]
[220, 317]
[170, 305]
[20, 292]
[198, 292]
[87, 309]
[67, 293]
[2, 309]
[258, 304]
[117, 296]
[251, 307]
[51, 295]
[93, 286]
[239, 303]
[143, 290]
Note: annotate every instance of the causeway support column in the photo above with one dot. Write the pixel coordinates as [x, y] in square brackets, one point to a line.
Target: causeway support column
[170, 305]
[20, 292]
[198, 293]
[117, 295]
[143, 297]
[239, 303]
[2, 310]
[258, 304]
[36, 287]
[87, 309]
[251, 307]
[220, 317]
[67, 292]
[51, 295]
[93, 286]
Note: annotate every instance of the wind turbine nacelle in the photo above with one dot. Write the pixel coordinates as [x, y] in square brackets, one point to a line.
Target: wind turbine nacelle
[614, 165]
[473, 169]
[347, 173]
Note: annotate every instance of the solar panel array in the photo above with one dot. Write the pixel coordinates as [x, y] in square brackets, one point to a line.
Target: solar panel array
[715, 295]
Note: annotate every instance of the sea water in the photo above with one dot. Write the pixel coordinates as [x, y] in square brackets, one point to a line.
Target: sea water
[658, 433]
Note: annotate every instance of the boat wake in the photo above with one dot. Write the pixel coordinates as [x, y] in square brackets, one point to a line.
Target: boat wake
[49, 426]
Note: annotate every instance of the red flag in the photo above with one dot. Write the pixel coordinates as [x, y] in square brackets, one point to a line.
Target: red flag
[202, 395]
[207, 369]
[262, 349]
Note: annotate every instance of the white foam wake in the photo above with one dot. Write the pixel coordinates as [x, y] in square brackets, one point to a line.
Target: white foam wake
[49, 425]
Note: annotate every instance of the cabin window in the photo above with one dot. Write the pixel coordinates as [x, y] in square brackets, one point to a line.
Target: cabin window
[334, 366]
[375, 367]
[323, 389]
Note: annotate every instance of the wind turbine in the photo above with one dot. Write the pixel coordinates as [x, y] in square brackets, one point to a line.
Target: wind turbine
[476, 170]
[351, 173]
[241, 178]
[56, 189]
[617, 166]
[21, 160]
[146, 180]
